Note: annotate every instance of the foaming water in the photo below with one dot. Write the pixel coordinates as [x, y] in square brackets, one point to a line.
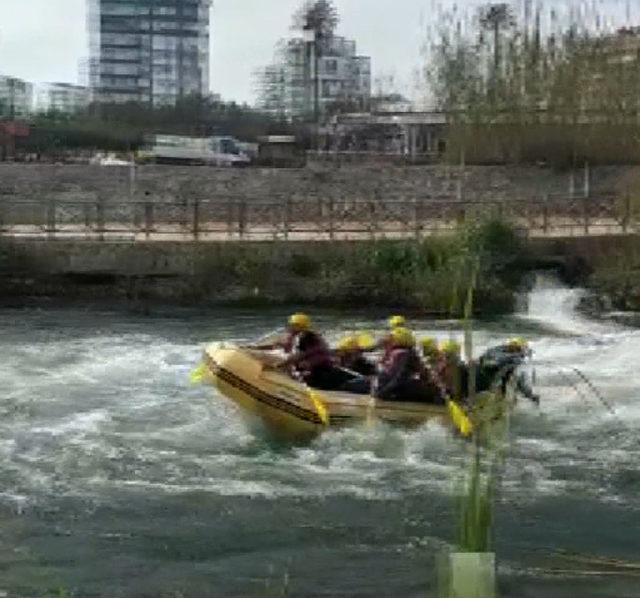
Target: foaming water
[97, 411]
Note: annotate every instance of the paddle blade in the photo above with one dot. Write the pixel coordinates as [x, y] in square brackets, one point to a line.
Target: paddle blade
[197, 375]
[321, 408]
[460, 419]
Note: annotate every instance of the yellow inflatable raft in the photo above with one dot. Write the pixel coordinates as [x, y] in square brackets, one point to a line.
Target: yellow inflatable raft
[251, 380]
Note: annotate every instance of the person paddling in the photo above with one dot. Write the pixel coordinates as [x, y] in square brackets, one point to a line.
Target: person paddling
[452, 370]
[350, 353]
[499, 365]
[400, 369]
[309, 356]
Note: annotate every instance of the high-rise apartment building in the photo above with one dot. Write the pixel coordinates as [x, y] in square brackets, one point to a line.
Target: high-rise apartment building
[63, 98]
[148, 51]
[310, 78]
[16, 97]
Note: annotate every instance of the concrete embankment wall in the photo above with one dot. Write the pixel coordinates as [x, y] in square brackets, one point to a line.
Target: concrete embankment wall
[48, 181]
[271, 272]
[190, 273]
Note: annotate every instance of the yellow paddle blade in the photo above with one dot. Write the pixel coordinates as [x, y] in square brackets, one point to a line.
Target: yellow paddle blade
[321, 408]
[460, 419]
[197, 375]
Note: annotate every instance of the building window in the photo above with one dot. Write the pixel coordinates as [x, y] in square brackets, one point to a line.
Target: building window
[331, 66]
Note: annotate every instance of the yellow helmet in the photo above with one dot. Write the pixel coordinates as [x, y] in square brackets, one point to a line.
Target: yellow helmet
[348, 343]
[403, 337]
[397, 322]
[365, 341]
[516, 344]
[302, 321]
[451, 348]
[429, 345]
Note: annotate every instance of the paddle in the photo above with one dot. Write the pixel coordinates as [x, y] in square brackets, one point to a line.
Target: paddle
[319, 403]
[459, 418]
[197, 374]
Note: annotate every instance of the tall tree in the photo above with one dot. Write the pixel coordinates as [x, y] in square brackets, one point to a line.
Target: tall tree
[320, 16]
[495, 18]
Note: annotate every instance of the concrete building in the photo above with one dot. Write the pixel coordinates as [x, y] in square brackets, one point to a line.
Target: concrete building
[63, 98]
[416, 136]
[16, 97]
[148, 51]
[311, 78]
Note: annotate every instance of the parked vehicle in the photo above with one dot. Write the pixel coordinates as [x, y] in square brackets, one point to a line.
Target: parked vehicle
[211, 151]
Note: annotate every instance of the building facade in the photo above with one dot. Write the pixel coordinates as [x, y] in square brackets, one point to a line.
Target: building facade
[312, 78]
[148, 51]
[16, 97]
[63, 98]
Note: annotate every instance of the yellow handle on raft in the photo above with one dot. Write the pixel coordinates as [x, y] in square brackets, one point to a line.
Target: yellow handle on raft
[460, 419]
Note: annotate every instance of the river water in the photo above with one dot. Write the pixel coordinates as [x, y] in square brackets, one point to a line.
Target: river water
[118, 478]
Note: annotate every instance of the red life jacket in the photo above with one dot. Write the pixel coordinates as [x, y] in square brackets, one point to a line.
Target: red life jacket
[288, 341]
[391, 361]
[314, 352]
[387, 356]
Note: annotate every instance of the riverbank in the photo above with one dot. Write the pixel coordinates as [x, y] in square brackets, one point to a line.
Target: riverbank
[613, 280]
[431, 276]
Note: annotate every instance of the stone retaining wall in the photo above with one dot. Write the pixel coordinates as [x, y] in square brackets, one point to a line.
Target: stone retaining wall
[43, 181]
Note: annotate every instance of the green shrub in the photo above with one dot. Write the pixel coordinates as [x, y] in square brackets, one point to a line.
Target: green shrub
[304, 266]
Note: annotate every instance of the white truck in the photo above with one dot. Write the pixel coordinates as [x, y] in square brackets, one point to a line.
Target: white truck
[176, 149]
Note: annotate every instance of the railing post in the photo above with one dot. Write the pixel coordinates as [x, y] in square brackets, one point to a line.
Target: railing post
[587, 179]
[416, 218]
[51, 218]
[242, 218]
[545, 214]
[585, 209]
[231, 208]
[331, 222]
[100, 220]
[320, 217]
[196, 218]
[627, 213]
[372, 219]
[148, 219]
[287, 218]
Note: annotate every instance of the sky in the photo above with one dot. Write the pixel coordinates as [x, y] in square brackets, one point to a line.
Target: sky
[44, 40]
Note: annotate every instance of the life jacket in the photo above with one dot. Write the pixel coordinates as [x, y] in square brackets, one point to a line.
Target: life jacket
[390, 362]
[288, 341]
[399, 376]
[387, 356]
[314, 352]
[431, 380]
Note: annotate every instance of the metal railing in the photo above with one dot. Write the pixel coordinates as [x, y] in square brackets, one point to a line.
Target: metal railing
[306, 219]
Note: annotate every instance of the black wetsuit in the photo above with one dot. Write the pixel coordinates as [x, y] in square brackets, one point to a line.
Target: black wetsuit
[497, 367]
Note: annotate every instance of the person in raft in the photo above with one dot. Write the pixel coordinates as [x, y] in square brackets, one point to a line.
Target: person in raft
[308, 355]
[384, 344]
[452, 371]
[499, 365]
[400, 369]
[350, 352]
